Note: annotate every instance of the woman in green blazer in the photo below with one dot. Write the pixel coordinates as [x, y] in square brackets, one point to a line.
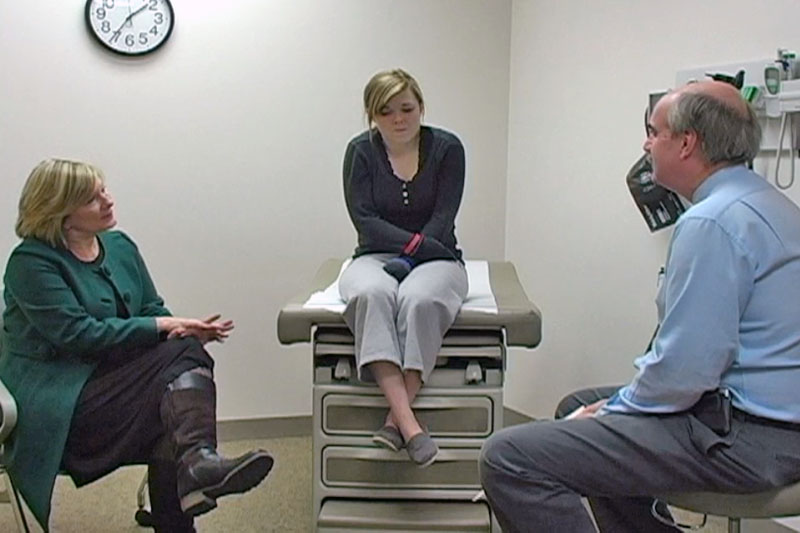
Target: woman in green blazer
[102, 373]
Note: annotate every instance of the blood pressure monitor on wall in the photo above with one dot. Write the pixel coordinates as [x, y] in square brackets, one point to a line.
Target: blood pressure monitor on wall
[660, 207]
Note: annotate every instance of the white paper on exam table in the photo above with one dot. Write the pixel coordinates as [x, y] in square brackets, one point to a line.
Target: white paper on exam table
[479, 298]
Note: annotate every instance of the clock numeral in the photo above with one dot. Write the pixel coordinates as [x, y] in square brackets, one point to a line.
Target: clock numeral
[153, 5]
[143, 38]
[159, 18]
[101, 13]
[109, 4]
[154, 30]
[115, 37]
[130, 40]
[105, 27]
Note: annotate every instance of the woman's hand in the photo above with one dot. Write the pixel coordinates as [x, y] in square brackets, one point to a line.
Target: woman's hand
[210, 329]
[399, 267]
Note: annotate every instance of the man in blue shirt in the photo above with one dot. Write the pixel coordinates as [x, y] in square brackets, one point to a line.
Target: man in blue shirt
[729, 319]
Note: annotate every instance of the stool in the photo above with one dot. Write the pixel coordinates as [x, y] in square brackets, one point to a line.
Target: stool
[775, 503]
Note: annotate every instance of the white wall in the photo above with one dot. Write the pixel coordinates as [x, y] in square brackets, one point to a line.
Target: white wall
[580, 74]
[224, 152]
[224, 148]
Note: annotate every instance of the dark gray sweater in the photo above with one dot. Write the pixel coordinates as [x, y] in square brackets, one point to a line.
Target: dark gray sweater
[386, 211]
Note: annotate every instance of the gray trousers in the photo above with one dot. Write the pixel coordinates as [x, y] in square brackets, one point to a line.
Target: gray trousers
[403, 323]
[535, 474]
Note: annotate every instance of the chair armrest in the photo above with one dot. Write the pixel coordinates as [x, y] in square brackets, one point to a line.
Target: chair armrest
[8, 411]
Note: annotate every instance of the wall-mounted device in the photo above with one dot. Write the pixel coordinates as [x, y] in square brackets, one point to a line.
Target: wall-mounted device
[772, 87]
[772, 79]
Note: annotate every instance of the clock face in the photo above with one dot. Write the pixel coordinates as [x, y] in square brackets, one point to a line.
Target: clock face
[130, 27]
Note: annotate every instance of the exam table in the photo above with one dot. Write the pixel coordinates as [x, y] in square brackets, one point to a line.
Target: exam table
[359, 487]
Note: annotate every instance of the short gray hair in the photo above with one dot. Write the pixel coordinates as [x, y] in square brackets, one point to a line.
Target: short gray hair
[726, 134]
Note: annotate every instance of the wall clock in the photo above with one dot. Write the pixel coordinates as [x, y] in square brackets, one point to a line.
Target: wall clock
[130, 27]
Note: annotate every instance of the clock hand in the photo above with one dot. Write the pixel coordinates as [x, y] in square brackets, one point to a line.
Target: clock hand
[116, 34]
[144, 6]
[130, 16]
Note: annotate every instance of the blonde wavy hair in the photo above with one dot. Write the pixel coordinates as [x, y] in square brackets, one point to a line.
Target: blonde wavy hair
[53, 191]
[384, 86]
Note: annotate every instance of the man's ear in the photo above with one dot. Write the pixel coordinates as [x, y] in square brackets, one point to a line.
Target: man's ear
[690, 141]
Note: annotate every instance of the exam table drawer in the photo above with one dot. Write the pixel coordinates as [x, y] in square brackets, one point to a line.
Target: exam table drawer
[456, 416]
[339, 515]
[352, 466]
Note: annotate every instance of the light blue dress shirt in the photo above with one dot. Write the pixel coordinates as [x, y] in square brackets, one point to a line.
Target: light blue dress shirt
[728, 305]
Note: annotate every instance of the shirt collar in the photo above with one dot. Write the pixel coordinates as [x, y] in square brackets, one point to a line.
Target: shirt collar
[714, 181]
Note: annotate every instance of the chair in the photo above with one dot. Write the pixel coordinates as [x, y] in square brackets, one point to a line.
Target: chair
[8, 419]
[776, 503]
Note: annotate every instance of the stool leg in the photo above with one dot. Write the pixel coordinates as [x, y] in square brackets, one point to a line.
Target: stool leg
[734, 525]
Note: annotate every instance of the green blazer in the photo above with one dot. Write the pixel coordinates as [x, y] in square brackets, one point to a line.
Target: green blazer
[60, 320]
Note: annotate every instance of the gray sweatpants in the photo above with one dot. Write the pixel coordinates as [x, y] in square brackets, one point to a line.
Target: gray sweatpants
[403, 323]
[534, 474]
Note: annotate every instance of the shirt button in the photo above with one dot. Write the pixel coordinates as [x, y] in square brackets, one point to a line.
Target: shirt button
[405, 194]
[405, 202]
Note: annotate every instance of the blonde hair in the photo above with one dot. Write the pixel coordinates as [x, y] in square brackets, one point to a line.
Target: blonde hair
[384, 86]
[54, 190]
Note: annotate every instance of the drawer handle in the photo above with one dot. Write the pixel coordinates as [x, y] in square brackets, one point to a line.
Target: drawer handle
[342, 370]
[474, 373]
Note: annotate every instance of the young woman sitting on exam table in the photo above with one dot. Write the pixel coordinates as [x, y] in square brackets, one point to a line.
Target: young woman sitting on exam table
[403, 184]
[102, 373]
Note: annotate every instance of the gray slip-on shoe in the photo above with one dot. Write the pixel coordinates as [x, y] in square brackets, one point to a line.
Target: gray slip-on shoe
[389, 437]
[422, 450]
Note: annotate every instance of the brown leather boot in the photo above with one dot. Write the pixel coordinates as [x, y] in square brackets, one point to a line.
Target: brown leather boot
[204, 476]
[188, 410]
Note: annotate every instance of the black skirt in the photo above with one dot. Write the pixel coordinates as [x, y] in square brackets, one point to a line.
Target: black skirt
[117, 418]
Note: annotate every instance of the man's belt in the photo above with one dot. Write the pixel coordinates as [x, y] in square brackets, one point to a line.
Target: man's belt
[747, 417]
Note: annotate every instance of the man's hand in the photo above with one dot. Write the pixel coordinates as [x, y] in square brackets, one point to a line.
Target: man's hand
[586, 411]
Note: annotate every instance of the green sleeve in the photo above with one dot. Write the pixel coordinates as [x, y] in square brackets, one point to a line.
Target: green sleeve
[51, 308]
